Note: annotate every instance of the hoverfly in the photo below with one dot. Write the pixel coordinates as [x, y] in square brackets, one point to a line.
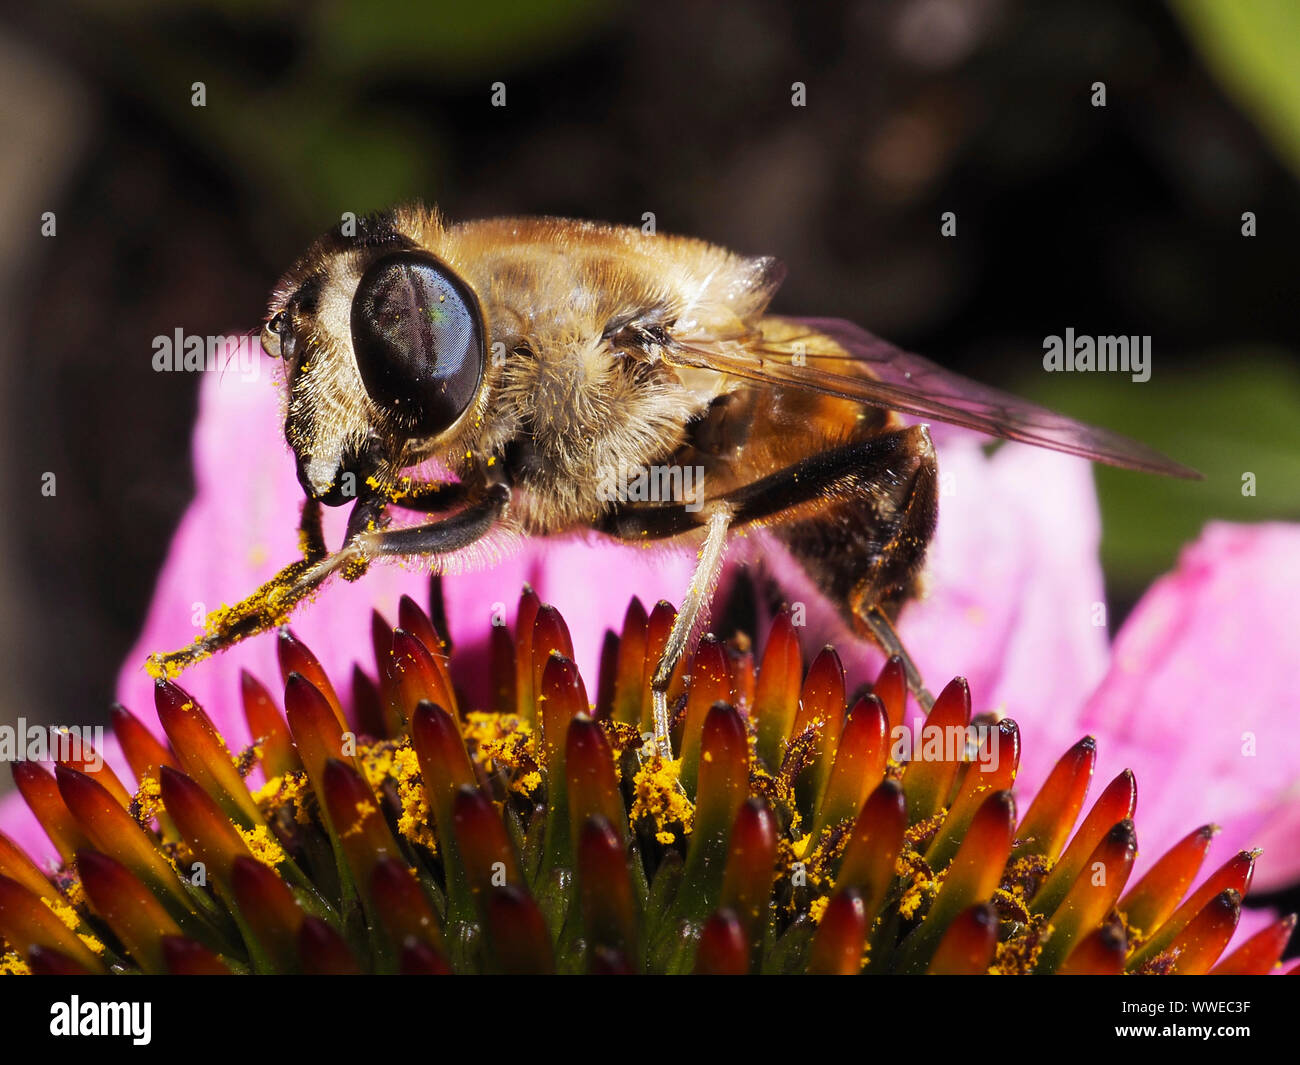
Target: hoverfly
[526, 358]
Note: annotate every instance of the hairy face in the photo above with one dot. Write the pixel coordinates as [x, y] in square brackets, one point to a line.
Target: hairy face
[384, 346]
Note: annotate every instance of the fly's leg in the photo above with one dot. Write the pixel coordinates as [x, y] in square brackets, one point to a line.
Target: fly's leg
[882, 631]
[694, 608]
[438, 537]
[256, 613]
[311, 534]
[366, 540]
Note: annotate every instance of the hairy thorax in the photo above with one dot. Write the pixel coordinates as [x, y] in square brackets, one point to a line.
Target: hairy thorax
[578, 418]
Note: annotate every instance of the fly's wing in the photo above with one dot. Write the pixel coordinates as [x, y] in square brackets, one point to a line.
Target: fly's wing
[794, 353]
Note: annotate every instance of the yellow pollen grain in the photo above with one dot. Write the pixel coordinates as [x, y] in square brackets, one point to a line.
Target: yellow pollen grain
[1018, 956]
[377, 764]
[74, 891]
[264, 846]
[268, 791]
[91, 942]
[13, 965]
[64, 912]
[527, 784]
[658, 799]
[416, 817]
[286, 790]
[72, 919]
[364, 809]
[504, 742]
[148, 802]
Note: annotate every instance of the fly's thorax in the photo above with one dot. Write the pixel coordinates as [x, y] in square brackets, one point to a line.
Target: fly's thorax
[569, 420]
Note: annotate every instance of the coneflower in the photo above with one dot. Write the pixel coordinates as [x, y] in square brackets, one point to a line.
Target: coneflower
[798, 829]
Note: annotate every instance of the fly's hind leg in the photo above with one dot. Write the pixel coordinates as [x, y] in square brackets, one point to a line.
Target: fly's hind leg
[868, 546]
[882, 632]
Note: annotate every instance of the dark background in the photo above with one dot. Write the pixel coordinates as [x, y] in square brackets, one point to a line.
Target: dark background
[1116, 220]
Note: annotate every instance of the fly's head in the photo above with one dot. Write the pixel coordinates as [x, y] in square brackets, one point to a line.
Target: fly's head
[385, 352]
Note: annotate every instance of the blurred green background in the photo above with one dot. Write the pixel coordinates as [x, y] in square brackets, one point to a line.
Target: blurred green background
[1117, 220]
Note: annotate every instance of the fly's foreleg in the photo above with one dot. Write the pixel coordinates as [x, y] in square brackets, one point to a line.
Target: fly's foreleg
[366, 540]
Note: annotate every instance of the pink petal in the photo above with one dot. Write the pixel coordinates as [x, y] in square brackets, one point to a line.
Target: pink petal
[20, 825]
[1203, 672]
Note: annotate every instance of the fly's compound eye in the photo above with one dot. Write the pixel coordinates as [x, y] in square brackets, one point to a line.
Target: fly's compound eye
[418, 337]
[273, 334]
